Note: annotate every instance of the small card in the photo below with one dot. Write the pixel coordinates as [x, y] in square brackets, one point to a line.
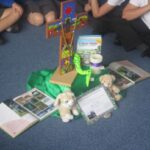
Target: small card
[95, 103]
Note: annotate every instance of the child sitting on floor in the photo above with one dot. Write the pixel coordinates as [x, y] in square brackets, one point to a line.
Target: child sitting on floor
[10, 13]
[40, 10]
[108, 18]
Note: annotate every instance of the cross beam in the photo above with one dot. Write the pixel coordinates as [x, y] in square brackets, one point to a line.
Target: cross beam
[65, 27]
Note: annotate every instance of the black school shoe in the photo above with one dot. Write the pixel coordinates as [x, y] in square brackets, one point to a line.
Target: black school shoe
[146, 53]
[14, 28]
[2, 40]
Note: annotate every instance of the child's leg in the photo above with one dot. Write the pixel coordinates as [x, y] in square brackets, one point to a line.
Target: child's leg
[80, 5]
[101, 25]
[123, 29]
[8, 18]
[50, 17]
[35, 16]
[49, 10]
[144, 33]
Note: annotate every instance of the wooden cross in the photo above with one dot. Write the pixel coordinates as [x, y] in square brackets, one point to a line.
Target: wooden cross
[65, 27]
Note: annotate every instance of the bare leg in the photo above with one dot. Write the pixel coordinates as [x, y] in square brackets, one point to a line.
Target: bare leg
[35, 19]
[50, 17]
[8, 18]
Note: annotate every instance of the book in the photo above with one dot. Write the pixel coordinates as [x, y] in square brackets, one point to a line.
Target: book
[15, 119]
[87, 45]
[127, 73]
[95, 103]
[23, 111]
[37, 103]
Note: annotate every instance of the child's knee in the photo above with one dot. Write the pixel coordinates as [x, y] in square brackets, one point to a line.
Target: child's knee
[50, 17]
[17, 13]
[36, 19]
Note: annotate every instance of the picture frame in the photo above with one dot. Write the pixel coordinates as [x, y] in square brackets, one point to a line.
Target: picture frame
[95, 103]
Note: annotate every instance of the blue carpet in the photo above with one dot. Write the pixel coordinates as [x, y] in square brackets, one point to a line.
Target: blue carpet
[127, 129]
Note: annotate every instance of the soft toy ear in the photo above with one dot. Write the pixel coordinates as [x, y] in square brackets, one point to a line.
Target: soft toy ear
[113, 77]
[101, 78]
[69, 92]
[57, 101]
[72, 94]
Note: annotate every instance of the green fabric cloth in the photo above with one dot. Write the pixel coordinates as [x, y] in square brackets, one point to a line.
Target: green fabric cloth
[41, 80]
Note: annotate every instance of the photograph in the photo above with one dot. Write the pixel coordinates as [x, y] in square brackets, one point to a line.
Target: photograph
[15, 107]
[38, 95]
[29, 106]
[128, 73]
[120, 81]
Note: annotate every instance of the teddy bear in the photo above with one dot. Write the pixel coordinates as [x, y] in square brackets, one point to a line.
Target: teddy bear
[66, 105]
[107, 81]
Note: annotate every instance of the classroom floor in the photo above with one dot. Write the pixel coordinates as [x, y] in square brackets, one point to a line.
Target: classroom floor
[127, 129]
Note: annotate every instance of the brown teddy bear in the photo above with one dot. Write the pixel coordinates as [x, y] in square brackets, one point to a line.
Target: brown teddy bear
[107, 81]
[66, 105]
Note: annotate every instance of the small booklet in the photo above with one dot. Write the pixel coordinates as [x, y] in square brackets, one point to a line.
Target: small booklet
[87, 45]
[95, 103]
[15, 119]
[37, 103]
[127, 73]
[20, 113]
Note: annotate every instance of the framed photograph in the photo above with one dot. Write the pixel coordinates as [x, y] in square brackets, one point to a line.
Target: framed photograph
[95, 103]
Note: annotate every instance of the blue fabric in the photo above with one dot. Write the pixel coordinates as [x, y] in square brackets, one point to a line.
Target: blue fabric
[7, 3]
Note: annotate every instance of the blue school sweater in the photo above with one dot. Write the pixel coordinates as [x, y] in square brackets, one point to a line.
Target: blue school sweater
[7, 3]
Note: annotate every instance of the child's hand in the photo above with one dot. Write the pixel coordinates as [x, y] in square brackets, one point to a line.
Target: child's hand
[89, 1]
[87, 7]
[17, 8]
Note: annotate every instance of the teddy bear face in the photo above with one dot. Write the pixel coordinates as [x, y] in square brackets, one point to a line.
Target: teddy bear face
[107, 80]
[66, 99]
[68, 103]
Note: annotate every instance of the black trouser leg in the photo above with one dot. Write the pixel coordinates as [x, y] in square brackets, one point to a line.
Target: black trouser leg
[101, 25]
[80, 5]
[144, 33]
[2, 39]
[142, 30]
[128, 36]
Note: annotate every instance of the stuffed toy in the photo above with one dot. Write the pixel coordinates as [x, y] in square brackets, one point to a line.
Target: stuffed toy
[107, 81]
[66, 105]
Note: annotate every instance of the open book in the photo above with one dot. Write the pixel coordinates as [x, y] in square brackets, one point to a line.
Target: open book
[37, 103]
[127, 73]
[14, 119]
[20, 113]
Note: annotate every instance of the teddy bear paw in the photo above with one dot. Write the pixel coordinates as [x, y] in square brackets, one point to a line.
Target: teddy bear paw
[118, 97]
[107, 115]
[69, 116]
[75, 112]
[65, 120]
